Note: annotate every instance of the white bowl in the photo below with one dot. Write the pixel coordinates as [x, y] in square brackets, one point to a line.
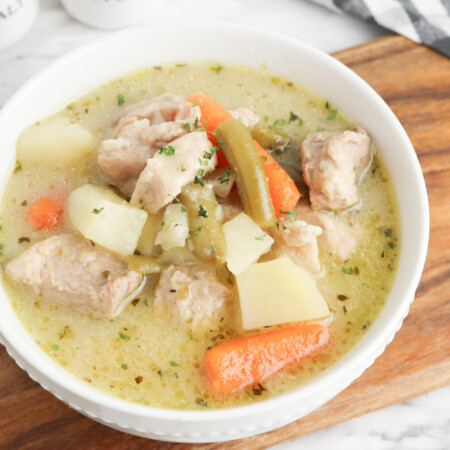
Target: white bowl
[91, 66]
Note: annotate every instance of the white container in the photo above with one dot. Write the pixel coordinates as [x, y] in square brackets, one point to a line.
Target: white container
[84, 69]
[16, 18]
[111, 14]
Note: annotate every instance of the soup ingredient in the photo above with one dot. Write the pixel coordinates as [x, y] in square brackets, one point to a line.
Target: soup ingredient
[252, 359]
[144, 264]
[146, 127]
[55, 142]
[240, 151]
[246, 242]
[277, 292]
[271, 138]
[191, 292]
[298, 241]
[332, 165]
[146, 244]
[338, 238]
[163, 177]
[46, 212]
[101, 215]
[222, 180]
[245, 115]
[76, 273]
[283, 191]
[205, 222]
[175, 228]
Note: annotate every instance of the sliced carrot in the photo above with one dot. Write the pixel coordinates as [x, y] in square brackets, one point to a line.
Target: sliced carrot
[283, 190]
[45, 212]
[233, 365]
[213, 114]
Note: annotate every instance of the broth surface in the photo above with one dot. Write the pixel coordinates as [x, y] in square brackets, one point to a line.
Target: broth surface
[161, 362]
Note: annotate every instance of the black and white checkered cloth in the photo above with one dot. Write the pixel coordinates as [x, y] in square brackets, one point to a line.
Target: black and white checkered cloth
[423, 21]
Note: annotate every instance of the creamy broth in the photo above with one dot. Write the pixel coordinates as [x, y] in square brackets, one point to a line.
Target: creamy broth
[160, 361]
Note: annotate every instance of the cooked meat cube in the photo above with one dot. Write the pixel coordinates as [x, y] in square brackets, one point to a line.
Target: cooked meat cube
[191, 291]
[73, 272]
[245, 115]
[146, 127]
[337, 237]
[332, 164]
[298, 241]
[166, 174]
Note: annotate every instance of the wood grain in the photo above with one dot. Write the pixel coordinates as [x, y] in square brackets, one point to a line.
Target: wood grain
[415, 82]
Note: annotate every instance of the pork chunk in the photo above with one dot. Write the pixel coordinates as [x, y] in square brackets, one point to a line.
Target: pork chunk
[145, 127]
[191, 291]
[166, 174]
[245, 115]
[73, 272]
[298, 241]
[332, 165]
[338, 237]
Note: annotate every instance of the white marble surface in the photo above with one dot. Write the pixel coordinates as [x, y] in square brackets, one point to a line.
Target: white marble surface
[422, 423]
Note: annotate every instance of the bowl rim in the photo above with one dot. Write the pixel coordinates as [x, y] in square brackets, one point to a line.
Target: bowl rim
[373, 343]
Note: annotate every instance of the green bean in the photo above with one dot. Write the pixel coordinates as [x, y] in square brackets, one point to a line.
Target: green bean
[205, 222]
[237, 144]
[145, 264]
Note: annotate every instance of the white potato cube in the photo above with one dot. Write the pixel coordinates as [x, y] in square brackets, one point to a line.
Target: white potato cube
[146, 244]
[277, 292]
[246, 242]
[175, 230]
[102, 216]
[56, 142]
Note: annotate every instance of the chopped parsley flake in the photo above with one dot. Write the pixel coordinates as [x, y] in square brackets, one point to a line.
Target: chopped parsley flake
[293, 117]
[290, 214]
[266, 119]
[319, 129]
[261, 238]
[18, 167]
[332, 115]
[186, 126]
[212, 248]
[120, 99]
[127, 198]
[168, 150]
[391, 244]
[211, 152]
[348, 271]
[388, 232]
[250, 395]
[124, 336]
[174, 197]
[265, 158]
[373, 172]
[277, 122]
[55, 347]
[183, 209]
[199, 181]
[196, 123]
[225, 177]
[217, 69]
[204, 403]
[202, 211]
[146, 302]
[201, 172]
[182, 168]
[195, 104]
[24, 203]
[98, 211]
[194, 232]
[124, 366]
[174, 364]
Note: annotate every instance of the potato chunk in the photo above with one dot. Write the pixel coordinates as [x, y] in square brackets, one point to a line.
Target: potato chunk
[102, 216]
[246, 242]
[57, 141]
[175, 228]
[277, 292]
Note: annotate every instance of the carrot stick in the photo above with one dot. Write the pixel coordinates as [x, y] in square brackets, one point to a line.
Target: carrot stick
[213, 114]
[233, 365]
[283, 190]
[45, 212]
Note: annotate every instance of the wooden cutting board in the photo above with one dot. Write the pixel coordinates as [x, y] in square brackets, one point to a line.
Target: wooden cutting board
[415, 82]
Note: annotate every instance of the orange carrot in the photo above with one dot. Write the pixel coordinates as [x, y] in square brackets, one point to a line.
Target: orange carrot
[213, 114]
[233, 365]
[45, 212]
[283, 190]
